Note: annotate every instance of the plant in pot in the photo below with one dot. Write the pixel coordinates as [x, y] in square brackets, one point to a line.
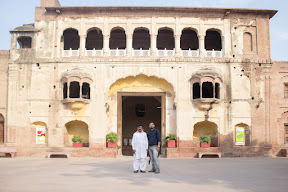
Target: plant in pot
[205, 141]
[171, 141]
[112, 139]
[77, 141]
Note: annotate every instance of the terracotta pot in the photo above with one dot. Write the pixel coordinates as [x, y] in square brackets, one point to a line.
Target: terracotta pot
[77, 144]
[205, 144]
[112, 144]
[171, 144]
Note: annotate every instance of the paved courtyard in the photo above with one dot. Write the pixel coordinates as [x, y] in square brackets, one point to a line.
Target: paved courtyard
[101, 175]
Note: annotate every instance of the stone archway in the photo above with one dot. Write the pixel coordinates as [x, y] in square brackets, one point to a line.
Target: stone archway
[207, 128]
[143, 90]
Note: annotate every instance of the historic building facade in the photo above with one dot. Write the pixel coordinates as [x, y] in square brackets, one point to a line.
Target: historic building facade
[88, 71]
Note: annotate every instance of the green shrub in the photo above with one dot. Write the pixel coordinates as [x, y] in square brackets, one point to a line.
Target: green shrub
[170, 137]
[112, 137]
[205, 139]
[77, 139]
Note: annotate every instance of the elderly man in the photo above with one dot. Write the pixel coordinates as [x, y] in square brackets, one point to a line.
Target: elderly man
[140, 149]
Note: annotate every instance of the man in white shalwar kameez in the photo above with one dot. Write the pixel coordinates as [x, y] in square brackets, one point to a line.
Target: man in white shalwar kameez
[140, 149]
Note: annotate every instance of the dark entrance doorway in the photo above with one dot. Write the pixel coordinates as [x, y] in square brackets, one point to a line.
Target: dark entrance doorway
[134, 110]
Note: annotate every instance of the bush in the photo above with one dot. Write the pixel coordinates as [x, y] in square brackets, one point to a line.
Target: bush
[112, 137]
[77, 139]
[205, 139]
[170, 137]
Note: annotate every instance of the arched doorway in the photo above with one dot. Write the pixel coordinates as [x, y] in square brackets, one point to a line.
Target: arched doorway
[2, 120]
[207, 128]
[78, 129]
[140, 100]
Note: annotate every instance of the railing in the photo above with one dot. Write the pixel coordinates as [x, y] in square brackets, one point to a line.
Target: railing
[117, 52]
[213, 53]
[70, 53]
[190, 53]
[94, 52]
[166, 52]
[141, 52]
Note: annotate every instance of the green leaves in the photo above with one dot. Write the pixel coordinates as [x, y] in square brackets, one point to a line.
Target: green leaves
[170, 137]
[205, 139]
[77, 139]
[112, 137]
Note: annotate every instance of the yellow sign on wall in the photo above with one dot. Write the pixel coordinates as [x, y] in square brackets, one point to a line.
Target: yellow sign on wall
[240, 136]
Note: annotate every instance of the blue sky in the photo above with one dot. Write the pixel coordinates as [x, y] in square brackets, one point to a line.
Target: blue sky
[14, 13]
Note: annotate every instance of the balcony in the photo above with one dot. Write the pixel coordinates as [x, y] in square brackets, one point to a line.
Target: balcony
[141, 52]
[94, 52]
[117, 52]
[166, 53]
[70, 53]
[213, 53]
[190, 53]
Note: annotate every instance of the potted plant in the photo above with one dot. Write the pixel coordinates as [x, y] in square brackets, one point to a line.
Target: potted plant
[112, 139]
[205, 141]
[171, 141]
[77, 141]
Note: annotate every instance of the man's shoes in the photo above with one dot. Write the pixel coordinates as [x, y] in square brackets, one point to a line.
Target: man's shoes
[152, 170]
[157, 171]
[136, 171]
[142, 171]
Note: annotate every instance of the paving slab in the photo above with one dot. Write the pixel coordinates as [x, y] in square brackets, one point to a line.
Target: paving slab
[105, 175]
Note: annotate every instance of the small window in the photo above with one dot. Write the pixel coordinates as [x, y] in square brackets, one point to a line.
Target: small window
[24, 42]
[196, 90]
[207, 90]
[74, 90]
[140, 110]
[286, 90]
[86, 91]
[286, 134]
[65, 90]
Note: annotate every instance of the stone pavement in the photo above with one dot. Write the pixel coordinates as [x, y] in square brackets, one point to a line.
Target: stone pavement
[107, 175]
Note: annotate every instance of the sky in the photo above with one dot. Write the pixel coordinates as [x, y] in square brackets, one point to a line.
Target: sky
[15, 13]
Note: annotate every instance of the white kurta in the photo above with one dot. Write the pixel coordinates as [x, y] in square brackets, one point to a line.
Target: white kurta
[140, 145]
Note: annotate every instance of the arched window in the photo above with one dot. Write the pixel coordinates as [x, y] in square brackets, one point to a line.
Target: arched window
[141, 39]
[74, 90]
[117, 39]
[71, 39]
[94, 40]
[247, 42]
[189, 40]
[24, 42]
[213, 40]
[217, 90]
[165, 39]
[207, 90]
[86, 91]
[196, 90]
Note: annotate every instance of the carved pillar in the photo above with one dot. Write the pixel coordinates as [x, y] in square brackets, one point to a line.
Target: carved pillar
[177, 45]
[153, 45]
[82, 45]
[129, 41]
[106, 44]
[202, 45]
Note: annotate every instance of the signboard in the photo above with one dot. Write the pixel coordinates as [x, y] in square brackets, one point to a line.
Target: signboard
[240, 136]
[40, 135]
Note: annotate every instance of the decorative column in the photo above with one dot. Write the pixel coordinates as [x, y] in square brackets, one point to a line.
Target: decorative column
[153, 45]
[202, 45]
[129, 41]
[177, 45]
[106, 44]
[82, 45]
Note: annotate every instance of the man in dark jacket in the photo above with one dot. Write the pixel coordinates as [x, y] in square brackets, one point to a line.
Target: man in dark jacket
[154, 141]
